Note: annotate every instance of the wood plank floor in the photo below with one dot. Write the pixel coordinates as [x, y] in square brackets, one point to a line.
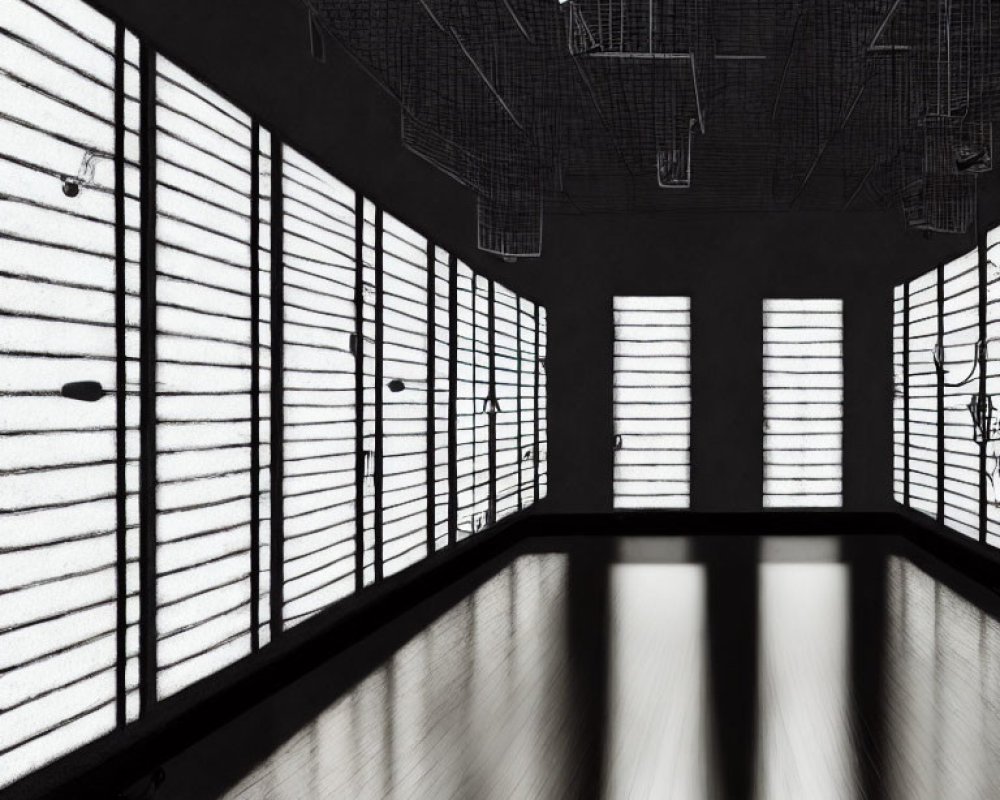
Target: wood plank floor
[687, 668]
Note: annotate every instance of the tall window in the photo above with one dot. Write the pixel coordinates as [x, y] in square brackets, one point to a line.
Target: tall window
[991, 385]
[958, 360]
[528, 328]
[367, 344]
[472, 386]
[899, 394]
[404, 396]
[228, 385]
[59, 282]
[803, 402]
[506, 365]
[652, 402]
[441, 342]
[203, 380]
[946, 329]
[542, 410]
[318, 272]
[922, 383]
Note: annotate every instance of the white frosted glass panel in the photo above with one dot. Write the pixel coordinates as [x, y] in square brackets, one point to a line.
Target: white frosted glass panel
[992, 476]
[472, 421]
[803, 403]
[652, 402]
[923, 390]
[133, 269]
[961, 381]
[404, 396]
[319, 389]
[264, 387]
[58, 488]
[506, 371]
[442, 375]
[368, 386]
[529, 363]
[543, 404]
[898, 395]
[203, 380]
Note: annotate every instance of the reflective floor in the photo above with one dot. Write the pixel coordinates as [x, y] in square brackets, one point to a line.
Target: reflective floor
[687, 668]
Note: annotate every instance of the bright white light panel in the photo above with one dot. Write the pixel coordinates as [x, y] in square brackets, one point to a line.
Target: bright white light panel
[899, 394]
[203, 374]
[992, 476]
[942, 342]
[319, 385]
[441, 343]
[472, 385]
[543, 404]
[527, 328]
[652, 402]
[57, 324]
[264, 387]
[404, 396]
[132, 288]
[923, 390]
[505, 381]
[961, 452]
[368, 375]
[803, 402]
[63, 657]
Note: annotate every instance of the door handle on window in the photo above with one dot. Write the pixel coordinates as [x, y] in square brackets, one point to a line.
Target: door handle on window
[85, 391]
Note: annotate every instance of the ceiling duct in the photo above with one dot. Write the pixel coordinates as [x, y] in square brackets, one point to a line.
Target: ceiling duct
[587, 105]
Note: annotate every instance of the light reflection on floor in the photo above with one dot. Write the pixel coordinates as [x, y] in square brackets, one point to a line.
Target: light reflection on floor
[806, 748]
[658, 737]
[943, 691]
[589, 673]
[455, 712]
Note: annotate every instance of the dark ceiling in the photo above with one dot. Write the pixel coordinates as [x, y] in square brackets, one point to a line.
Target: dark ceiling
[606, 105]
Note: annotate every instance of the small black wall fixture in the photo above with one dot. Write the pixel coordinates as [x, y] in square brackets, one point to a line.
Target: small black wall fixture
[85, 391]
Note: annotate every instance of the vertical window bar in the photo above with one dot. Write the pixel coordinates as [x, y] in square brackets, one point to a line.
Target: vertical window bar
[492, 404]
[536, 461]
[359, 392]
[981, 355]
[431, 397]
[277, 390]
[120, 378]
[255, 388]
[379, 378]
[940, 395]
[452, 399]
[898, 384]
[906, 394]
[520, 443]
[147, 380]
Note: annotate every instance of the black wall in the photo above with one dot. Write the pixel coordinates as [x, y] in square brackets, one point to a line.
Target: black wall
[256, 52]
